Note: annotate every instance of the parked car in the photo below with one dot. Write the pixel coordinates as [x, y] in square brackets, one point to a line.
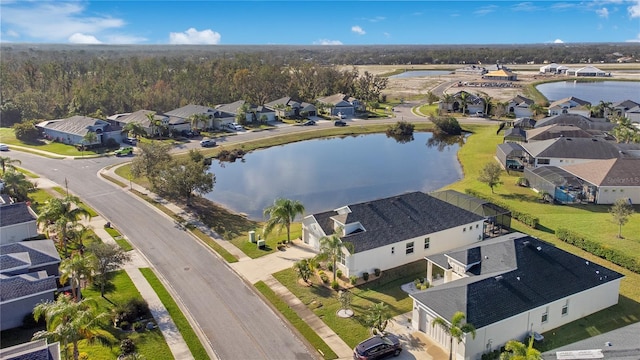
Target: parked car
[342, 116]
[339, 123]
[187, 133]
[4, 147]
[208, 143]
[130, 141]
[479, 114]
[377, 347]
[234, 126]
[124, 151]
[309, 123]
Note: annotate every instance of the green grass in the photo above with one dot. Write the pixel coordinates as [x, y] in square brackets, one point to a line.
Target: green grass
[27, 173]
[119, 239]
[295, 320]
[38, 199]
[227, 256]
[427, 110]
[197, 350]
[251, 250]
[324, 303]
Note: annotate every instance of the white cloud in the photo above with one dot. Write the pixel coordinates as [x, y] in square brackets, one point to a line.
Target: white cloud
[377, 19]
[634, 10]
[603, 12]
[358, 30]
[486, 10]
[57, 21]
[637, 39]
[79, 38]
[12, 33]
[327, 42]
[562, 6]
[386, 34]
[195, 37]
[558, 41]
[524, 6]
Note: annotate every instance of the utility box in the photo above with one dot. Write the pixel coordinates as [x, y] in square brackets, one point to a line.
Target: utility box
[252, 236]
[261, 244]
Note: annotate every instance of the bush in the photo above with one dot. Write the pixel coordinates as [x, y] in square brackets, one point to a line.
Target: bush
[522, 181]
[376, 272]
[26, 131]
[324, 278]
[127, 346]
[330, 266]
[335, 285]
[125, 325]
[339, 273]
[353, 279]
[138, 326]
[446, 125]
[365, 276]
[111, 143]
[131, 311]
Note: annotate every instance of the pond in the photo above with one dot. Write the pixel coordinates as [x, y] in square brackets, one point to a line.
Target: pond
[594, 92]
[325, 174]
[418, 73]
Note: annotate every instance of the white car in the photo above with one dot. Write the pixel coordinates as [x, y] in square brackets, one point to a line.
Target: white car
[4, 147]
[235, 126]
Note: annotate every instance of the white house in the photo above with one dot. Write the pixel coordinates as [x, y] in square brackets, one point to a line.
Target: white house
[73, 130]
[17, 222]
[509, 287]
[253, 113]
[610, 180]
[568, 151]
[141, 117]
[570, 105]
[394, 231]
[633, 114]
[520, 106]
[341, 103]
[184, 114]
[586, 71]
[288, 107]
[462, 99]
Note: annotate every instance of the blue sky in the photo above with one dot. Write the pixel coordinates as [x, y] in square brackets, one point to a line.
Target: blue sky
[319, 22]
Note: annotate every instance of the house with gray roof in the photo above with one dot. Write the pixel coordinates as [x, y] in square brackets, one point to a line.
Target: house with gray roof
[393, 231]
[253, 113]
[33, 350]
[288, 107]
[461, 99]
[554, 131]
[620, 108]
[509, 287]
[73, 130]
[567, 151]
[570, 105]
[341, 103]
[520, 106]
[180, 118]
[609, 180]
[17, 222]
[141, 117]
[28, 272]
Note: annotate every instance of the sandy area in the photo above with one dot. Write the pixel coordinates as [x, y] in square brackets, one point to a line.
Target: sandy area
[409, 88]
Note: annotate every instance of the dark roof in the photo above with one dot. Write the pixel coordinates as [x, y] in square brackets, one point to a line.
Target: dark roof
[519, 99]
[33, 350]
[188, 110]
[515, 132]
[17, 286]
[476, 205]
[527, 123]
[568, 99]
[578, 120]
[397, 218]
[543, 274]
[625, 104]
[39, 252]
[510, 147]
[555, 131]
[17, 213]
[573, 148]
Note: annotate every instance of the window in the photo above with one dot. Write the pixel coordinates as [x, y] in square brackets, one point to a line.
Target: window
[477, 226]
[565, 308]
[409, 248]
[393, 249]
[543, 161]
[545, 315]
[342, 258]
[464, 229]
[427, 243]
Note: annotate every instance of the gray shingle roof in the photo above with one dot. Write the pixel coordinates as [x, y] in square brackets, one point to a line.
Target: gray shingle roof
[16, 286]
[578, 120]
[527, 123]
[17, 213]
[33, 350]
[543, 274]
[40, 251]
[77, 125]
[393, 219]
[573, 148]
[140, 117]
[555, 131]
[188, 110]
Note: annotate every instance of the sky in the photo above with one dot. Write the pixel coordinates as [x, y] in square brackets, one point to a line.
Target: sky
[300, 22]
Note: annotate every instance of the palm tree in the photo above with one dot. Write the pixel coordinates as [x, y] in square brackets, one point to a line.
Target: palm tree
[378, 317]
[448, 100]
[487, 102]
[135, 129]
[281, 214]
[7, 163]
[16, 185]
[64, 214]
[456, 329]
[303, 269]
[331, 248]
[75, 269]
[464, 100]
[78, 234]
[89, 138]
[536, 109]
[69, 322]
[515, 350]
[196, 119]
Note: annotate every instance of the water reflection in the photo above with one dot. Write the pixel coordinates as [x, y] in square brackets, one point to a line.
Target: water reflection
[324, 174]
[401, 139]
[442, 141]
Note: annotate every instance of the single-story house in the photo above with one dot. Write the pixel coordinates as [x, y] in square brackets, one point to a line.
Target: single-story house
[472, 69]
[553, 68]
[583, 122]
[515, 134]
[501, 74]
[555, 131]
[620, 108]
[28, 274]
[253, 113]
[341, 103]
[17, 222]
[633, 114]
[141, 117]
[474, 103]
[586, 71]
[509, 287]
[33, 350]
[287, 107]
[610, 180]
[520, 106]
[524, 123]
[567, 151]
[74, 129]
[570, 105]
[183, 115]
[393, 231]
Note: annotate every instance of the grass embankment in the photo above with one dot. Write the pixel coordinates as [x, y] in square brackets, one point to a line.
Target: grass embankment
[251, 250]
[119, 239]
[193, 342]
[295, 320]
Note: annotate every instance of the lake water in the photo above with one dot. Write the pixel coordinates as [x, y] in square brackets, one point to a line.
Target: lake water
[325, 174]
[594, 92]
[418, 73]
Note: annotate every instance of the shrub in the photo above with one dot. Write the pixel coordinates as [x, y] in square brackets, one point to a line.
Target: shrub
[376, 272]
[335, 285]
[446, 125]
[330, 266]
[83, 356]
[125, 325]
[26, 131]
[339, 273]
[522, 181]
[353, 279]
[127, 346]
[111, 143]
[365, 276]
[138, 326]
[131, 311]
[324, 278]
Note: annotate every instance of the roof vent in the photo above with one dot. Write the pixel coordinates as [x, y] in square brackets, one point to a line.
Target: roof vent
[498, 278]
[586, 262]
[526, 243]
[518, 277]
[539, 248]
[486, 257]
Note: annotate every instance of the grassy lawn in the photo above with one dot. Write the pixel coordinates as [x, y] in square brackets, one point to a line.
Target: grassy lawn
[427, 110]
[324, 302]
[227, 256]
[189, 336]
[251, 250]
[121, 241]
[306, 331]
[9, 137]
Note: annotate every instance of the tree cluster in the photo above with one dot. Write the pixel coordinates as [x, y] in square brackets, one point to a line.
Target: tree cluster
[446, 125]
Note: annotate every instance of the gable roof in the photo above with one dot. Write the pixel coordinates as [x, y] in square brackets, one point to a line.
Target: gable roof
[286, 101]
[28, 253]
[578, 120]
[542, 274]
[471, 98]
[33, 350]
[337, 99]
[625, 104]
[519, 99]
[611, 172]
[188, 110]
[140, 117]
[76, 125]
[397, 218]
[555, 131]
[515, 132]
[569, 99]
[16, 213]
[572, 148]
[17, 286]
[524, 122]
[232, 108]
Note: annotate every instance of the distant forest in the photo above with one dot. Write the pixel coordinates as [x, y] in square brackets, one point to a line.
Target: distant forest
[42, 81]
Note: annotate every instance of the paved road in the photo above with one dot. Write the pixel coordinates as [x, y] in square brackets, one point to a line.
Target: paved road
[236, 323]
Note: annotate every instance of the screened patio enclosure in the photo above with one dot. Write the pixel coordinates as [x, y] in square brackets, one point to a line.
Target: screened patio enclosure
[563, 186]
